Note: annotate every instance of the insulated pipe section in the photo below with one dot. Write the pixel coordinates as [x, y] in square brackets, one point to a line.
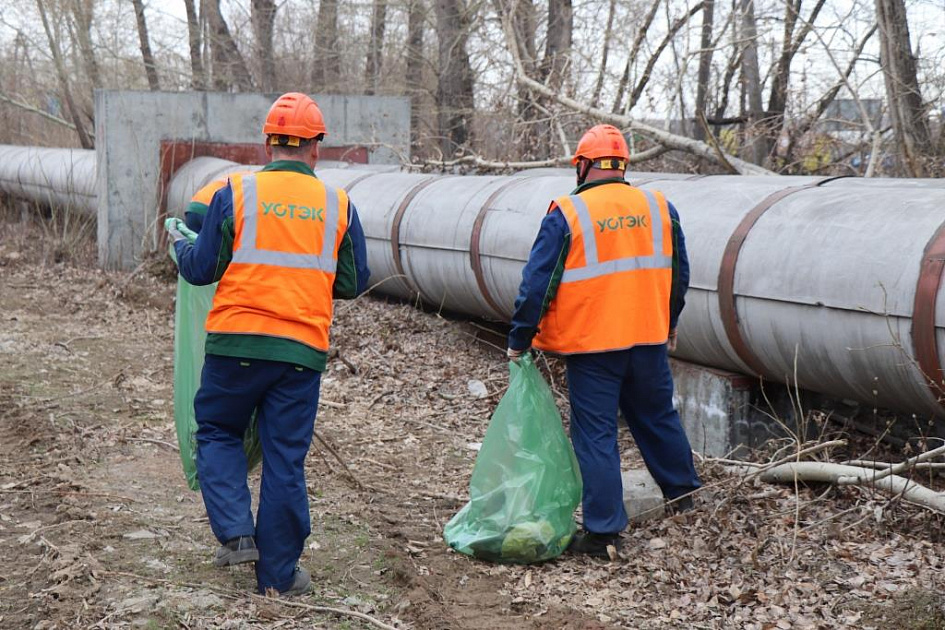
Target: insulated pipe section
[832, 283]
[58, 178]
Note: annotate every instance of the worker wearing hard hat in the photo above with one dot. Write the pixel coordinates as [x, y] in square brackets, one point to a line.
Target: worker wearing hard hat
[281, 244]
[604, 285]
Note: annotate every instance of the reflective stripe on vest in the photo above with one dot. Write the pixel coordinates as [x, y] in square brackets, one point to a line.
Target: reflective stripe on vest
[248, 253]
[594, 269]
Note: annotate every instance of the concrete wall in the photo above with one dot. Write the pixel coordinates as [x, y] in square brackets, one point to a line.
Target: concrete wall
[130, 126]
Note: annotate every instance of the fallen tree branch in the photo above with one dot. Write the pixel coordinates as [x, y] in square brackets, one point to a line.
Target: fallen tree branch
[892, 485]
[35, 110]
[665, 138]
[874, 476]
[500, 165]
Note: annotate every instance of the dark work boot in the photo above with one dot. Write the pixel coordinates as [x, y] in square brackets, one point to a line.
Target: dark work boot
[591, 544]
[679, 505]
[236, 551]
[301, 583]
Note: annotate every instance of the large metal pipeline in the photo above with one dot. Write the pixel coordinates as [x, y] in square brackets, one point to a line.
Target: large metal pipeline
[59, 178]
[834, 281]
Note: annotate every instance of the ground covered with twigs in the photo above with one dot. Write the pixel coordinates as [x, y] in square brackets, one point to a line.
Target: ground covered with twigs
[98, 529]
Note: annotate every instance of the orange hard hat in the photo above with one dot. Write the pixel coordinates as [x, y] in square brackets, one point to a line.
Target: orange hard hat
[296, 115]
[601, 141]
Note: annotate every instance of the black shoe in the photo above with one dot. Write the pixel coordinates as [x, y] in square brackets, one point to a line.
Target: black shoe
[679, 505]
[591, 544]
[301, 583]
[236, 551]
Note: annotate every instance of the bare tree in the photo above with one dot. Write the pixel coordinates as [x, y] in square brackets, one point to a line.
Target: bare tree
[817, 112]
[144, 41]
[756, 149]
[558, 38]
[605, 53]
[263, 18]
[372, 70]
[81, 27]
[198, 80]
[705, 62]
[904, 100]
[84, 140]
[416, 18]
[781, 76]
[454, 94]
[638, 41]
[326, 71]
[229, 67]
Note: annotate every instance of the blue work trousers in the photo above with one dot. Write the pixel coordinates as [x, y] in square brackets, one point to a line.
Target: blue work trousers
[638, 382]
[286, 397]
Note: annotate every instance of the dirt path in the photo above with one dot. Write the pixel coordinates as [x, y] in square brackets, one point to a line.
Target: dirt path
[98, 529]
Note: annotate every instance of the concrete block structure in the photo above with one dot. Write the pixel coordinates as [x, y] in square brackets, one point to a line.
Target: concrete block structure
[142, 137]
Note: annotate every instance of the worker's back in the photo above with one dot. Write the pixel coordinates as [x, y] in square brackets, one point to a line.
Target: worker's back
[615, 289]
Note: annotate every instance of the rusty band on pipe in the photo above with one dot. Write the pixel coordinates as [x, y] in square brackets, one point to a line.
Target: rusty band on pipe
[395, 234]
[357, 180]
[475, 260]
[923, 313]
[733, 248]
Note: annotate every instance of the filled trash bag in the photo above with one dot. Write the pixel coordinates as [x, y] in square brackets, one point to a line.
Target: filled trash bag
[526, 482]
[190, 317]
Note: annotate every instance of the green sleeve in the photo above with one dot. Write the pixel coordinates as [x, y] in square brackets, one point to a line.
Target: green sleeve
[225, 254]
[346, 274]
[555, 281]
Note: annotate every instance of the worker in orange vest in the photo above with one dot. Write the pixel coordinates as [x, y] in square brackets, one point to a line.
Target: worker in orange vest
[281, 244]
[604, 285]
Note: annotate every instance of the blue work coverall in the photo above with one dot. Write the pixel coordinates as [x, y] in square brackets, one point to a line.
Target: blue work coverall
[637, 381]
[280, 378]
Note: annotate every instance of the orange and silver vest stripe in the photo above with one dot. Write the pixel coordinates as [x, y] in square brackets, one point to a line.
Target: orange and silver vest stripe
[615, 289]
[288, 229]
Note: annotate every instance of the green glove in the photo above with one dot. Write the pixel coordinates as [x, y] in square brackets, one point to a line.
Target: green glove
[178, 230]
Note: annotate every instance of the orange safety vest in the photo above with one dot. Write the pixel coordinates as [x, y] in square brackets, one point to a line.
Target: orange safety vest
[205, 194]
[615, 289]
[288, 228]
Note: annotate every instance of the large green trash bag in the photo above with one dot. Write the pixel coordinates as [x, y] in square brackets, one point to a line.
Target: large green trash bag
[526, 482]
[190, 317]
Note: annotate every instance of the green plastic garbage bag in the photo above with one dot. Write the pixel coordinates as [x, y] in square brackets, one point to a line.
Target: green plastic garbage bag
[190, 317]
[526, 482]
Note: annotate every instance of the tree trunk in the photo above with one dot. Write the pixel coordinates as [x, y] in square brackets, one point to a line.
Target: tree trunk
[454, 94]
[82, 13]
[756, 151]
[706, 48]
[824, 103]
[198, 80]
[524, 23]
[229, 67]
[674, 28]
[904, 100]
[145, 42]
[781, 76]
[326, 71]
[557, 43]
[608, 35]
[638, 40]
[263, 18]
[84, 141]
[372, 70]
[416, 17]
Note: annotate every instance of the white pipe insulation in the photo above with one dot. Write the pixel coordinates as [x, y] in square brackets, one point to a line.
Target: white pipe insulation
[59, 178]
[833, 281]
